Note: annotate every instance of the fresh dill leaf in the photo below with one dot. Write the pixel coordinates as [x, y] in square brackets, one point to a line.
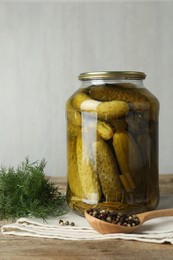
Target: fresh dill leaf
[27, 192]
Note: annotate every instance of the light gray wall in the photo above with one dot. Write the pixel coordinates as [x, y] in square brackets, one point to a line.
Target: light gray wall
[43, 48]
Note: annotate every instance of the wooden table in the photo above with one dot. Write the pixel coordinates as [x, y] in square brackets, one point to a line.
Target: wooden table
[14, 247]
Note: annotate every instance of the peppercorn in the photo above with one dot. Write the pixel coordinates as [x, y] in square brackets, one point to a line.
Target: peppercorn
[61, 222]
[114, 217]
[109, 219]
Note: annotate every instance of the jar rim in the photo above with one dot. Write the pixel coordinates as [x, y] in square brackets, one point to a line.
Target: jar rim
[111, 75]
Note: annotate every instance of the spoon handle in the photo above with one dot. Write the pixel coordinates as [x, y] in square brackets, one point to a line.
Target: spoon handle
[155, 214]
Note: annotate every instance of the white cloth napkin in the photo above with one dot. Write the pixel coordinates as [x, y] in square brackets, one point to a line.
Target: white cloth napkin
[158, 230]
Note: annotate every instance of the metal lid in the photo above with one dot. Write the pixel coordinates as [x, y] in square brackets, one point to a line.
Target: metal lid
[112, 75]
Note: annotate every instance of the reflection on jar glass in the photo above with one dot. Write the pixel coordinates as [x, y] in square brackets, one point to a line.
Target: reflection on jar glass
[112, 143]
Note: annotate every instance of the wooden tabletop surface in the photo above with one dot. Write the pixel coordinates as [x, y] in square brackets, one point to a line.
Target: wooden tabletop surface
[15, 247]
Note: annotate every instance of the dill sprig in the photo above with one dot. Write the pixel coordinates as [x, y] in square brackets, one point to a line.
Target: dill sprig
[27, 192]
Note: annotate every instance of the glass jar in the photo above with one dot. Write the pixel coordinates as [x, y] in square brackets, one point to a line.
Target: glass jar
[112, 143]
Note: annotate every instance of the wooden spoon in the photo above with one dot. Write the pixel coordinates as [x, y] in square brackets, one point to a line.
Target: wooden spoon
[104, 227]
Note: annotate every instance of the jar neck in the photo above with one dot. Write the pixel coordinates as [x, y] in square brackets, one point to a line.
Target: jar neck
[138, 83]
